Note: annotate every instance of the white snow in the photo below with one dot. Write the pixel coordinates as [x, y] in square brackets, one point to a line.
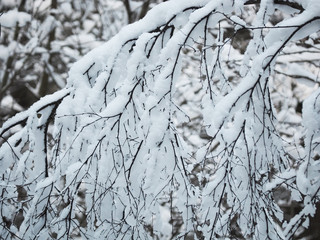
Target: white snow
[12, 17]
[4, 52]
[116, 131]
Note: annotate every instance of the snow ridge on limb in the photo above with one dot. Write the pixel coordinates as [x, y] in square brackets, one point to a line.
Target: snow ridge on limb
[46, 101]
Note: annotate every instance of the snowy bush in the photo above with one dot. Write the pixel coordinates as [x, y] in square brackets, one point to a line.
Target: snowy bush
[106, 157]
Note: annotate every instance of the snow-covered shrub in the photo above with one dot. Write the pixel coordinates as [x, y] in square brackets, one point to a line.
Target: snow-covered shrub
[105, 157]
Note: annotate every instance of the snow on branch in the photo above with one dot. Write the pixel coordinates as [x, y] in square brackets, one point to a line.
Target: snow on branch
[104, 158]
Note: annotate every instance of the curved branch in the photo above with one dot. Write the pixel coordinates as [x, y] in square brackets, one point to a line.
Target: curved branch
[294, 5]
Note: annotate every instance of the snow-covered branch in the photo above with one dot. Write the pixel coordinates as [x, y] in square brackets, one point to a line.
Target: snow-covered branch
[106, 157]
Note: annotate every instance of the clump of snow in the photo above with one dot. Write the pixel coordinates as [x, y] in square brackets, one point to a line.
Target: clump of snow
[240, 23]
[310, 111]
[313, 7]
[11, 18]
[66, 8]
[4, 52]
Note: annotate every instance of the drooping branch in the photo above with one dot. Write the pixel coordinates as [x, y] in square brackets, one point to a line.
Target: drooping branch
[116, 141]
[53, 99]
